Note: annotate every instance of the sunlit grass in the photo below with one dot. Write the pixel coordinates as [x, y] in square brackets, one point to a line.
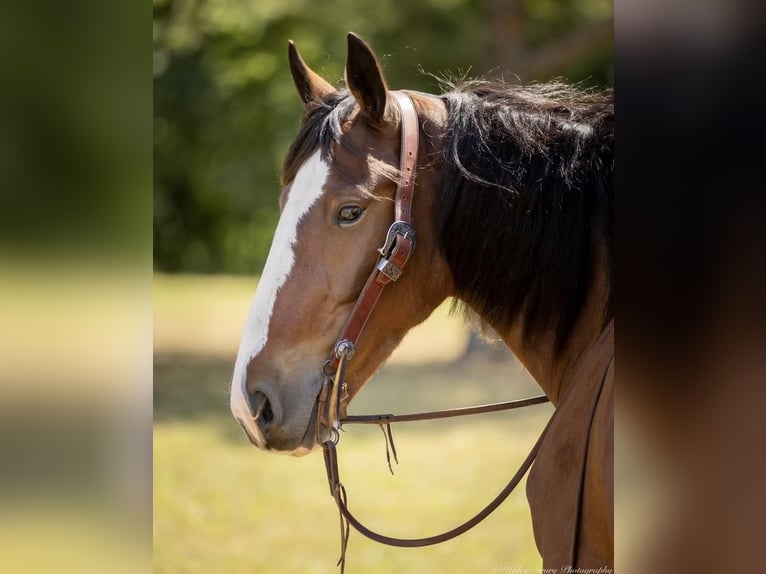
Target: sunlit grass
[221, 506]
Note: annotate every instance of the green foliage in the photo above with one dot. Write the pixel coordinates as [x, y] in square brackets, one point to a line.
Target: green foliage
[225, 108]
[547, 19]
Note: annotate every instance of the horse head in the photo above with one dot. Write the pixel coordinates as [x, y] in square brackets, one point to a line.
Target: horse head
[338, 188]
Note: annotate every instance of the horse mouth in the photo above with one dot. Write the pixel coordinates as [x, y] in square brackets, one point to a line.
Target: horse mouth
[259, 409]
[315, 434]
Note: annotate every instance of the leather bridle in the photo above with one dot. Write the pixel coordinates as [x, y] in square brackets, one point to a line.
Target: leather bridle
[396, 251]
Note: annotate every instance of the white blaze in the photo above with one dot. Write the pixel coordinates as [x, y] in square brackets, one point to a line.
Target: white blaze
[305, 190]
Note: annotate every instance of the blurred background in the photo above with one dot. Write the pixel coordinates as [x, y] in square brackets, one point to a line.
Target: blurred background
[77, 286]
[225, 111]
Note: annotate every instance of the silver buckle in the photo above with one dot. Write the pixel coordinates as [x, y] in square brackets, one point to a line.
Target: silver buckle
[397, 228]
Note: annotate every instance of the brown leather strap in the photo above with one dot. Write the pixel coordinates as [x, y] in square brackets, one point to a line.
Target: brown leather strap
[400, 240]
[446, 413]
[339, 494]
[331, 395]
[368, 297]
[338, 491]
[408, 160]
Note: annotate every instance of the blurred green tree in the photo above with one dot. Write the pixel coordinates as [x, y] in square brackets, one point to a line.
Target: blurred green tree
[225, 109]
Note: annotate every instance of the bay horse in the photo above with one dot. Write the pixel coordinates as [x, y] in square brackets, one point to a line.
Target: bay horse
[511, 192]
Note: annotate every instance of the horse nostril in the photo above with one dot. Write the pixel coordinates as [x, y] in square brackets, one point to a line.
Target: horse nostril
[266, 414]
[261, 409]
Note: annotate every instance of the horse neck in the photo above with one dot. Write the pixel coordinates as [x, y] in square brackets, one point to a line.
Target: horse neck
[555, 371]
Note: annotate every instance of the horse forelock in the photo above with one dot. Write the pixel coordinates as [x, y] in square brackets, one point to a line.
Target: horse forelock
[319, 129]
[527, 190]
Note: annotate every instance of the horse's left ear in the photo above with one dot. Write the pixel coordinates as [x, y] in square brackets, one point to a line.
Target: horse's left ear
[310, 85]
[364, 78]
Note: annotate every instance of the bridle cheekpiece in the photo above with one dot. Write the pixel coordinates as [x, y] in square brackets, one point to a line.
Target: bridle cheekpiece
[393, 256]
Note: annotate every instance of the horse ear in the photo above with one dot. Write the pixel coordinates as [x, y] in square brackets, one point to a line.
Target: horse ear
[364, 78]
[311, 86]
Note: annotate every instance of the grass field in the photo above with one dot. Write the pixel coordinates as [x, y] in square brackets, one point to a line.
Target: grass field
[221, 506]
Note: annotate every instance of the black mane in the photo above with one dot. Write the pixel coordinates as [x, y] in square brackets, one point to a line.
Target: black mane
[527, 197]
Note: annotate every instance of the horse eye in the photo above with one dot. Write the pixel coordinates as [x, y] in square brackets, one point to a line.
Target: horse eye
[349, 214]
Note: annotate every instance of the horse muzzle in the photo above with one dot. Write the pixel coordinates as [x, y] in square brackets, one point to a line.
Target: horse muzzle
[271, 423]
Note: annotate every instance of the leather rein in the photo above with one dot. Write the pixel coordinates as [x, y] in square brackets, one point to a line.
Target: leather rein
[397, 248]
